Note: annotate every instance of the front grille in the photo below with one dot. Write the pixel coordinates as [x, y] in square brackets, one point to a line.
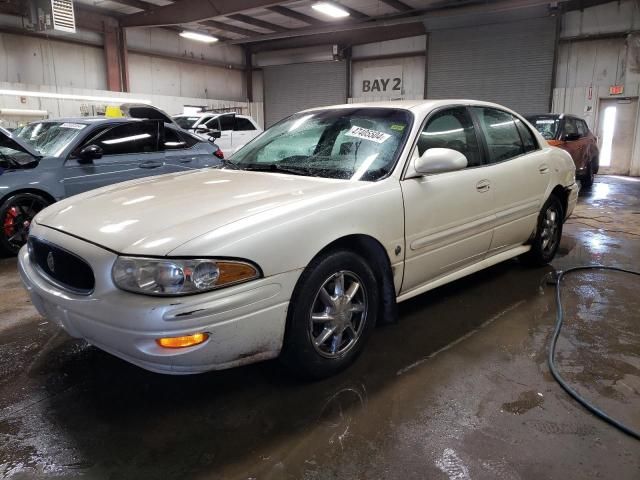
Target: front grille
[61, 267]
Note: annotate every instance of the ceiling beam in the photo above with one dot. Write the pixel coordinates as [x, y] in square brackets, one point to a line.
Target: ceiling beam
[230, 28]
[187, 11]
[257, 23]
[346, 38]
[139, 4]
[390, 21]
[357, 14]
[287, 12]
[398, 5]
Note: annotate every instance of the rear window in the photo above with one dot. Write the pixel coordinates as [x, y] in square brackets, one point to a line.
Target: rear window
[547, 125]
[186, 122]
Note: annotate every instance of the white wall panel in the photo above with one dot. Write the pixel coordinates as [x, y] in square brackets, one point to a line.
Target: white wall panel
[159, 76]
[47, 62]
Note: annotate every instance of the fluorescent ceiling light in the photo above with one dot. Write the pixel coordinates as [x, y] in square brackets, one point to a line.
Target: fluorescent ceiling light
[330, 9]
[66, 96]
[198, 37]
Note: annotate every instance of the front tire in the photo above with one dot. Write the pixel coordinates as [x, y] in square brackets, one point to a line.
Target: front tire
[16, 215]
[548, 234]
[331, 315]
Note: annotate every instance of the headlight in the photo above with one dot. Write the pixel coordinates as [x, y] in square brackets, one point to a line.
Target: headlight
[173, 276]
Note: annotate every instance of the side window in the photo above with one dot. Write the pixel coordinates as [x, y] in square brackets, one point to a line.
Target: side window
[501, 133]
[138, 137]
[227, 122]
[529, 141]
[244, 124]
[582, 128]
[451, 128]
[174, 140]
[570, 127]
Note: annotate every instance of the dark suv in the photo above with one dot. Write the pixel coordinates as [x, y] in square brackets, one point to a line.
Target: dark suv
[572, 134]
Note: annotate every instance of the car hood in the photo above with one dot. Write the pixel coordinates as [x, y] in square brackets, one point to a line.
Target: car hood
[7, 139]
[156, 215]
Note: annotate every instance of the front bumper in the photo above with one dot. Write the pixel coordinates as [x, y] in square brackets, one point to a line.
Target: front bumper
[245, 323]
[572, 198]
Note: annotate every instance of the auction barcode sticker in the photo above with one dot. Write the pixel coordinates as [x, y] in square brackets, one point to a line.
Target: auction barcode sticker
[366, 134]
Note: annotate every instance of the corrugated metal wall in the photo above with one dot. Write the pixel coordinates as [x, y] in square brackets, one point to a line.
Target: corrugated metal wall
[510, 64]
[290, 88]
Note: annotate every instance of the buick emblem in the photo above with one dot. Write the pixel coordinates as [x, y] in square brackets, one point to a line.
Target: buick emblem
[51, 262]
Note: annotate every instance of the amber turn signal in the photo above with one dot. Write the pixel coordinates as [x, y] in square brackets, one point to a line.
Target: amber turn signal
[554, 143]
[182, 342]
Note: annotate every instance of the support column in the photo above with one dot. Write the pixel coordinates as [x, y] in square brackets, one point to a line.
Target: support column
[248, 65]
[115, 51]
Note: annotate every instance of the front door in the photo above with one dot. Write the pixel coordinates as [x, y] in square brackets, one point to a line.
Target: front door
[616, 131]
[449, 216]
[130, 151]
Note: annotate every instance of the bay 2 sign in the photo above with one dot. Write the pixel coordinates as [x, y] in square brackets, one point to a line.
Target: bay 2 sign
[382, 81]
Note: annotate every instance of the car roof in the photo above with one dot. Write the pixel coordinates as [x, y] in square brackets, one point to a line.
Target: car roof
[88, 120]
[416, 106]
[213, 114]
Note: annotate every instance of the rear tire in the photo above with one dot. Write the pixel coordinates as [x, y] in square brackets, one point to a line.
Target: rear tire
[548, 234]
[331, 314]
[589, 177]
[16, 215]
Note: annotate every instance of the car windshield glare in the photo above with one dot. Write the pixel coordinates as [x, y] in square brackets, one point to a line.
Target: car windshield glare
[546, 125]
[345, 143]
[50, 138]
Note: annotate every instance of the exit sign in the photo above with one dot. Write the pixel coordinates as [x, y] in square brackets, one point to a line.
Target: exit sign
[616, 90]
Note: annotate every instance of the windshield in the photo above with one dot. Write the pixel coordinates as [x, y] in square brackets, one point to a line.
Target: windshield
[346, 143]
[547, 125]
[50, 138]
[186, 122]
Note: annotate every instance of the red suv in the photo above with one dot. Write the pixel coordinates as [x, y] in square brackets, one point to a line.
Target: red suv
[572, 134]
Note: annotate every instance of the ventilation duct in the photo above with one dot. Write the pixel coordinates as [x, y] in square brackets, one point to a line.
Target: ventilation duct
[54, 15]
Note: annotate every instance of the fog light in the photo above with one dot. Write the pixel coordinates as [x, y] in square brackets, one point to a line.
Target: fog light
[182, 342]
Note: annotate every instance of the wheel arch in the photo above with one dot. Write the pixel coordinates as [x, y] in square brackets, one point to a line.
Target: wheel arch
[563, 195]
[377, 258]
[44, 194]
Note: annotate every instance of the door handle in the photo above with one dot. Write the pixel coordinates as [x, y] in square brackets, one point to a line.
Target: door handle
[483, 186]
[186, 160]
[543, 169]
[150, 164]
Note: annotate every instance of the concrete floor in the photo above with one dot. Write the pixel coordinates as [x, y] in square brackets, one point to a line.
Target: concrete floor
[459, 389]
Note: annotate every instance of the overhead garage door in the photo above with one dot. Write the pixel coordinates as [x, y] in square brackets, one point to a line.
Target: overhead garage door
[510, 64]
[290, 88]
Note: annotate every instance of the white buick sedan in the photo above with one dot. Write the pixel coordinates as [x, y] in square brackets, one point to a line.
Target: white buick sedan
[304, 240]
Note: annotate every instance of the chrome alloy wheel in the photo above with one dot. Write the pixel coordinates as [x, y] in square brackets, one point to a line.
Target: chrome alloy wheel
[549, 235]
[338, 314]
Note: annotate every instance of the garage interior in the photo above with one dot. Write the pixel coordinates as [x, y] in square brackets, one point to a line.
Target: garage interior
[460, 387]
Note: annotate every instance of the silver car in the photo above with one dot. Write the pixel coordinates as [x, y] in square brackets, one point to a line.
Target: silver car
[49, 160]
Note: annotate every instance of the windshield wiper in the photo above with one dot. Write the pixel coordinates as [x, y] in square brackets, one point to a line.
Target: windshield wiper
[224, 163]
[274, 167]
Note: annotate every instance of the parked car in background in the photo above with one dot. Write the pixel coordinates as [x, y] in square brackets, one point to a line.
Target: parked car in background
[234, 130]
[303, 240]
[572, 134]
[52, 159]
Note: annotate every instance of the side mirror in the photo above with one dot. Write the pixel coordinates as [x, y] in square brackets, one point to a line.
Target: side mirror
[571, 137]
[215, 133]
[90, 153]
[439, 160]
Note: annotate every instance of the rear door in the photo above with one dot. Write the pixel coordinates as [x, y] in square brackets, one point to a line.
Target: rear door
[519, 175]
[185, 152]
[130, 150]
[244, 131]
